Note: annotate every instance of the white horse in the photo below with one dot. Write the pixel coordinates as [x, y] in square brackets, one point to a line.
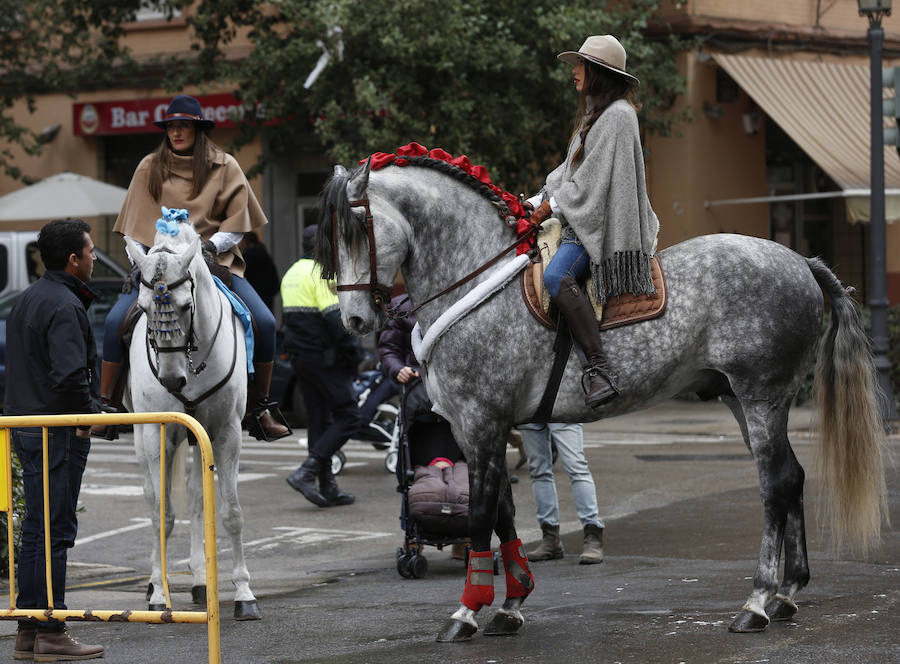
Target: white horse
[188, 354]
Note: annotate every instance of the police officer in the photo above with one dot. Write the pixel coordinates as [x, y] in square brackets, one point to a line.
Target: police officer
[325, 357]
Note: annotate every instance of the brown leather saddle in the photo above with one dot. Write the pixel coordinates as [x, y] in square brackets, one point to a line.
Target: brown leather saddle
[623, 310]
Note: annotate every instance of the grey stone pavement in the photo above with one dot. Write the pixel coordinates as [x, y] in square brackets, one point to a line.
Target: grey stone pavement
[680, 501]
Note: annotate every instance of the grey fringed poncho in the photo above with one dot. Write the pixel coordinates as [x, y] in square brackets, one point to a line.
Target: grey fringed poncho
[604, 200]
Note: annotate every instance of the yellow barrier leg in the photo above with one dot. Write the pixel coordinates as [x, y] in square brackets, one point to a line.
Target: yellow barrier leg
[162, 514]
[46, 469]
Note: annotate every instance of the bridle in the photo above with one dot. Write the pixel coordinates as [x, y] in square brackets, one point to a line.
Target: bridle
[381, 294]
[162, 297]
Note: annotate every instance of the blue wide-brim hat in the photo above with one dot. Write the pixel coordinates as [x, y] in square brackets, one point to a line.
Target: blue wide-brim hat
[185, 107]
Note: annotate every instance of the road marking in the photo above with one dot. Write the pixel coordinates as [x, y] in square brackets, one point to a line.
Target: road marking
[138, 490]
[112, 489]
[140, 522]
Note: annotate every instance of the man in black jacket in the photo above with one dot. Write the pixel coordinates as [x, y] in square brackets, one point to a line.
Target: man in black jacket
[51, 368]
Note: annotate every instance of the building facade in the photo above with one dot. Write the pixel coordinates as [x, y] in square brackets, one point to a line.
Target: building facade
[778, 91]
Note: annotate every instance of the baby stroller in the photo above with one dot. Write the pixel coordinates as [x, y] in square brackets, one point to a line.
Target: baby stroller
[434, 508]
[378, 400]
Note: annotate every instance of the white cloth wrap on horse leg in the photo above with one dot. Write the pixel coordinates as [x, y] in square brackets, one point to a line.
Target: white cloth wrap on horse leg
[422, 346]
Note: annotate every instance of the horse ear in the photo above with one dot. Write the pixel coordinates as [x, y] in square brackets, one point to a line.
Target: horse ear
[340, 171]
[356, 187]
[136, 252]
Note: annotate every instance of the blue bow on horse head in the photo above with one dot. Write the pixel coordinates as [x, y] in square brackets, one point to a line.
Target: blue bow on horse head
[171, 217]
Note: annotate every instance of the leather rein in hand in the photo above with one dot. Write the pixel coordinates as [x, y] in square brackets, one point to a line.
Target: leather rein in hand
[381, 294]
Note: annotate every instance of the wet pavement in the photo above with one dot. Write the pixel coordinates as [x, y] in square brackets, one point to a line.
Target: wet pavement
[683, 518]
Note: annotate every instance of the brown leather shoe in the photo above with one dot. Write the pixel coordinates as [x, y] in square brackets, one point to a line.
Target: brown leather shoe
[24, 648]
[60, 647]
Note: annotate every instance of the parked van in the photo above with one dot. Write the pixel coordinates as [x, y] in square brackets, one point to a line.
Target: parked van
[20, 262]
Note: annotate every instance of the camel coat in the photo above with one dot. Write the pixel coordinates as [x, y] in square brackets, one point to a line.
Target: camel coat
[226, 203]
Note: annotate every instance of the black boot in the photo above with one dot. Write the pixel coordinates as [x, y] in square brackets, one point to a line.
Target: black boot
[304, 480]
[329, 489]
[266, 421]
[574, 304]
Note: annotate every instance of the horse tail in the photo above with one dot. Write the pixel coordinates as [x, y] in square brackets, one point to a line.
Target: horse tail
[852, 489]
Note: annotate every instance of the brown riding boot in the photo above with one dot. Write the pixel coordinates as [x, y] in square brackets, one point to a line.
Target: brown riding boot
[266, 420]
[109, 376]
[575, 306]
[59, 646]
[593, 545]
[550, 548]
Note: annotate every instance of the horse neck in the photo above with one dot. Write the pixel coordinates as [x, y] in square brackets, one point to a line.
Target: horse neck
[455, 231]
[207, 303]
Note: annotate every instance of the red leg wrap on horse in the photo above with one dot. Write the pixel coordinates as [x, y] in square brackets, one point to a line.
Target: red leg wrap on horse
[519, 579]
[479, 590]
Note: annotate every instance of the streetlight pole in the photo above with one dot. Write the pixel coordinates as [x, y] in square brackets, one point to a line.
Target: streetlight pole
[874, 10]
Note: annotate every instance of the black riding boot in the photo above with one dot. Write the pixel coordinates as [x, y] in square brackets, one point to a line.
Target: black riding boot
[304, 480]
[329, 489]
[266, 420]
[574, 304]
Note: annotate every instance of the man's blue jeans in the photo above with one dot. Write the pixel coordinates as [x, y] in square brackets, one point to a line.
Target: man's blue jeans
[570, 260]
[66, 457]
[569, 439]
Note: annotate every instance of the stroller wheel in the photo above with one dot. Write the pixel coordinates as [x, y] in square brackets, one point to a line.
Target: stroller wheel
[390, 462]
[418, 566]
[338, 459]
[403, 558]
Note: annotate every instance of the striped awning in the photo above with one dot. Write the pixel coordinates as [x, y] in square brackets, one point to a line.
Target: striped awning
[825, 108]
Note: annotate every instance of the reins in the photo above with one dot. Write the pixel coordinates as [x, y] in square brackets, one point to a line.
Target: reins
[394, 312]
[381, 293]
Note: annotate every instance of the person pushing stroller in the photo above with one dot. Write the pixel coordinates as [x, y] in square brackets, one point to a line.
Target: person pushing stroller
[432, 443]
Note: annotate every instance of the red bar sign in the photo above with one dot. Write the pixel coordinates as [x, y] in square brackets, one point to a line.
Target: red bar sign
[136, 116]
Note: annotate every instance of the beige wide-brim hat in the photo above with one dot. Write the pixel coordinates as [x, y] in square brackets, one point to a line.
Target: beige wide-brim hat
[603, 50]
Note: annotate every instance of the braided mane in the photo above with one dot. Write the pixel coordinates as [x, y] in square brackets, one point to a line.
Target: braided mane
[351, 229]
[466, 179]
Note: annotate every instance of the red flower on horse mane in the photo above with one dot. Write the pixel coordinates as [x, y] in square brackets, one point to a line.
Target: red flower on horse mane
[413, 149]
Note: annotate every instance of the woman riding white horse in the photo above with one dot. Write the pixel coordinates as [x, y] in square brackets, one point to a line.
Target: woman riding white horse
[188, 171]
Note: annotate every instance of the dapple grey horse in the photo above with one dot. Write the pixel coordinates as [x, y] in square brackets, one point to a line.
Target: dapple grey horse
[188, 355]
[742, 324]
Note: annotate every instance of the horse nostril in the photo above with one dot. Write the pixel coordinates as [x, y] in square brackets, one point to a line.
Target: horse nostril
[174, 384]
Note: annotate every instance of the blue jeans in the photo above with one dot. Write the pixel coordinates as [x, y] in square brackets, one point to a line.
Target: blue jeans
[264, 335]
[570, 260]
[66, 458]
[569, 439]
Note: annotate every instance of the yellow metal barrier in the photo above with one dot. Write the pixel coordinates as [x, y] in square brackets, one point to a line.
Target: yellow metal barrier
[211, 615]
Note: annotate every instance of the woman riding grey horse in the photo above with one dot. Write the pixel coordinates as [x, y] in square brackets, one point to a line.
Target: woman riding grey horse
[599, 194]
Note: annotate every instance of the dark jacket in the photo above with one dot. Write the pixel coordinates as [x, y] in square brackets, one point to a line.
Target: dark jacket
[395, 341]
[51, 358]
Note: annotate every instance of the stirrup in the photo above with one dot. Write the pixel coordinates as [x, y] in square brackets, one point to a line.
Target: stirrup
[255, 427]
[598, 371]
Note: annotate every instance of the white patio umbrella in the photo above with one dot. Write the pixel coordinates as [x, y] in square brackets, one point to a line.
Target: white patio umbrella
[63, 195]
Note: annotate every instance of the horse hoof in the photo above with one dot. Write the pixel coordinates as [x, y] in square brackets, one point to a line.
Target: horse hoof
[781, 608]
[246, 610]
[156, 607]
[748, 621]
[149, 591]
[456, 630]
[198, 594]
[504, 623]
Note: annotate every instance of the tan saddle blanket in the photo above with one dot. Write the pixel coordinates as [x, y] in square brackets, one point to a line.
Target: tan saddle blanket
[622, 310]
